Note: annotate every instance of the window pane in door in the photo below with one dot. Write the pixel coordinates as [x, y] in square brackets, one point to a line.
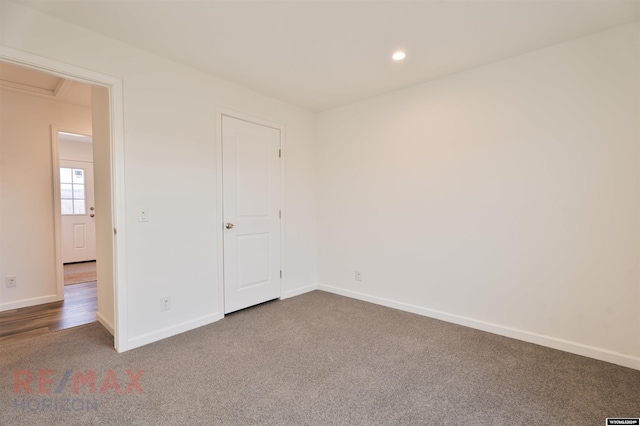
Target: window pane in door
[66, 191]
[72, 191]
[78, 207]
[78, 192]
[65, 175]
[67, 207]
[78, 176]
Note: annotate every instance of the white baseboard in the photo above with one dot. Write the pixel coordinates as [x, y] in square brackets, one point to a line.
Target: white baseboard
[299, 291]
[106, 324]
[28, 302]
[618, 358]
[155, 336]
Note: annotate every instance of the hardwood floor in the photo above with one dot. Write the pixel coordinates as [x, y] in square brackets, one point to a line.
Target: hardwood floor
[78, 308]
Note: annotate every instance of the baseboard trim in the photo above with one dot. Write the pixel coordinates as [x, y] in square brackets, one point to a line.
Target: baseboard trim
[164, 333]
[106, 324]
[24, 303]
[618, 358]
[299, 291]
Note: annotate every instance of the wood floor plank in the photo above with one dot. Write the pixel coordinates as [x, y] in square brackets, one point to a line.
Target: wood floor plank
[79, 308]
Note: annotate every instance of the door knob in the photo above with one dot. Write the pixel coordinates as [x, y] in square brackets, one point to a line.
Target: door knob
[91, 215]
[229, 225]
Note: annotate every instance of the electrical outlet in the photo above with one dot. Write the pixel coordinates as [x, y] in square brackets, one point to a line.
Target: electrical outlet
[10, 281]
[358, 276]
[165, 303]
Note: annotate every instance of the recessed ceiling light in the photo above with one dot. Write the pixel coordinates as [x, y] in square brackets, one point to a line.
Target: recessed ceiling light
[398, 56]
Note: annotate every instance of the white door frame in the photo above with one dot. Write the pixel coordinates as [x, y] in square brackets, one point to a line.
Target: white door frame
[57, 209]
[221, 111]
[61, 69]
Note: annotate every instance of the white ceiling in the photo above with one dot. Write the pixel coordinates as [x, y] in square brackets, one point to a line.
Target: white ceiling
[323, 54]
[74, 137]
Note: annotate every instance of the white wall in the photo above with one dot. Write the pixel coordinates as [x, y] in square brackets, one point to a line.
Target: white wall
[170, 158]
[505, 197]
[27, 240]
[76, 150]
[102, 178]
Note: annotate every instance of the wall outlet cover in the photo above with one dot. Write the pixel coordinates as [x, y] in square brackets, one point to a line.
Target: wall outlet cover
[165, 303]
[10, 281]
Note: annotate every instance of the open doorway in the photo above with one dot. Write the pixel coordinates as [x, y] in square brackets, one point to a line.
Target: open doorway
[108, 144]
[76, 215]
[37, 157]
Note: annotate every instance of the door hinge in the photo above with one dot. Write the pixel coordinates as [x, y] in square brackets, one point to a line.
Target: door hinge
[280, 273]
[279, 153]
[115, 231]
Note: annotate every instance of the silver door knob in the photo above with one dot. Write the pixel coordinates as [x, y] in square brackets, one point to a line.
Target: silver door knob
[229, 225]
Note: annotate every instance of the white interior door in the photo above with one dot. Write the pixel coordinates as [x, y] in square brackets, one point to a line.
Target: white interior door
[78, 212]
[251, 212]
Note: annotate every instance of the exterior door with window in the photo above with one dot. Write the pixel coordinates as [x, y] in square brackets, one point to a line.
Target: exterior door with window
[78, 212]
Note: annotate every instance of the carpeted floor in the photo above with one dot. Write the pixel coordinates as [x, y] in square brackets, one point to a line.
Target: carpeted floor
[315, 359]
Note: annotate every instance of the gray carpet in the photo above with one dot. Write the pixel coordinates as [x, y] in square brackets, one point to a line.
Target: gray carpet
[314, 359]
